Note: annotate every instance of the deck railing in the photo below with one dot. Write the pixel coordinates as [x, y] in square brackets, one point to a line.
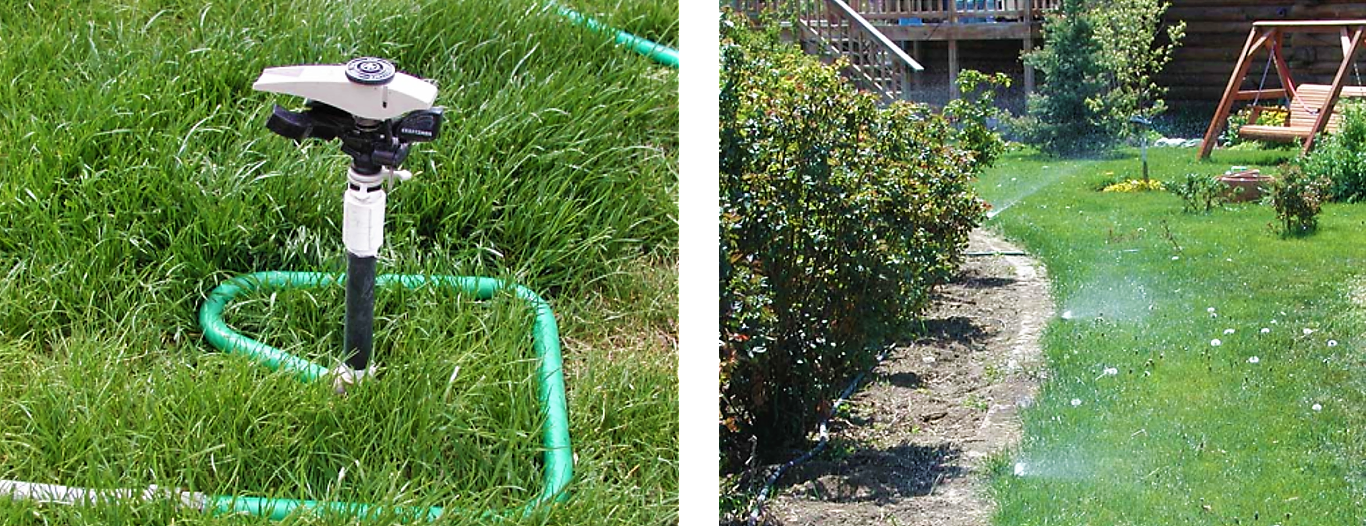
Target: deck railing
[954, 11]
[835, 28]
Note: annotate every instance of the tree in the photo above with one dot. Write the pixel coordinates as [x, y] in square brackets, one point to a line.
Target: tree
[1098, 62]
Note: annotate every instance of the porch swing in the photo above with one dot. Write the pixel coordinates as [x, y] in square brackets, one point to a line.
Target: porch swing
[1311, 106]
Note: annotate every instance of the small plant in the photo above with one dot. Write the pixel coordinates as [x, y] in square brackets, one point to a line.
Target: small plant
[1297, 197]
[1135, 185]
[971, 113]
[1200, 193]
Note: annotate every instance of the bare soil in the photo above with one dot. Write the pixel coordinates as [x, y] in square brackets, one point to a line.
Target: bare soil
[911, 450]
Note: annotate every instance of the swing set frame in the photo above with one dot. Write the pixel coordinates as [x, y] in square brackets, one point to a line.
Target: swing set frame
[1318, 115]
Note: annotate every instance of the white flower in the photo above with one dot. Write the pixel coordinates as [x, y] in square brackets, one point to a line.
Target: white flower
[1215, 342]
[1019, 468]
[1076, 402]
[1273, 321]
[1210, 310]
[1317, 407]
[1332, 343]
[1308, 331]
[1254, 359]
[1266, 330]
[1174, 258]
[1067, 315]
[1228, 331]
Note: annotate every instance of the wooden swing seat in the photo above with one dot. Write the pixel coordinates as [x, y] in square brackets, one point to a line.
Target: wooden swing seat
[1308, 102]
[1303, 112]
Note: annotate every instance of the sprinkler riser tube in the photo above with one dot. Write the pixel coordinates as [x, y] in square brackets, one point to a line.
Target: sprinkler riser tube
[363, 234]
[360, 310]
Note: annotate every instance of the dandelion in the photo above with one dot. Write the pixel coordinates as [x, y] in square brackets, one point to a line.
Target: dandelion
[1317, 407]
[1332, 343]
[1076, 402]
[1308, 331]
[1254, 359]
[1215, 342]
[1210, 310]
[1266, 330]
[1228, 331]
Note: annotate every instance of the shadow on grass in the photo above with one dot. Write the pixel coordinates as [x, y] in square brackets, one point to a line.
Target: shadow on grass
[878, 475]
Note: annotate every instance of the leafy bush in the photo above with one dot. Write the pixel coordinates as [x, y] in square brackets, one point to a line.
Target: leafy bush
[1200, 193]
[1297, 197]
[1097, 62]
[1341, 157]
[837, 217]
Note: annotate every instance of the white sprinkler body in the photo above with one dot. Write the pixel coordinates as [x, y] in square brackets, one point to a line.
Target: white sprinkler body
[363, 212]
[328, 84]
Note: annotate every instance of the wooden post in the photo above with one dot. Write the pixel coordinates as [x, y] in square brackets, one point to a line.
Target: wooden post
[1028, 45]
[919, 55]
[953, 51]
[1216, 124]
[1349, 50]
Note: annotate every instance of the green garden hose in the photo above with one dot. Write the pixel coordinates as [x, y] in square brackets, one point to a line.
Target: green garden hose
[658, 52]
[559, 459]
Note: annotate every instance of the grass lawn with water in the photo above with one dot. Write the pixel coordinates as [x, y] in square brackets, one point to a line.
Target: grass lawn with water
[1211, 371]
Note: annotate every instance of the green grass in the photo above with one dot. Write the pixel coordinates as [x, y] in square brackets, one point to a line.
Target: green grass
[1187, 432]
[136, 174]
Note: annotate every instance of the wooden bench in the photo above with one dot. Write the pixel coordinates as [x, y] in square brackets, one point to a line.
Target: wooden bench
[1304, 111]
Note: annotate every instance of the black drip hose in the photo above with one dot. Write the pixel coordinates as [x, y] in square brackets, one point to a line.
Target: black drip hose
[820, 445]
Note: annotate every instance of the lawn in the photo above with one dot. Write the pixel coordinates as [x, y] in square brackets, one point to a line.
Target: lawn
[1234, 390]
[136, 174]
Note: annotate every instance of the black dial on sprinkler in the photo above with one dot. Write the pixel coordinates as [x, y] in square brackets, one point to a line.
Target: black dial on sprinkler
[370, 71]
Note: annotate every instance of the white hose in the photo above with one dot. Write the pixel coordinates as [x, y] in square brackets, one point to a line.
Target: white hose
[71, 495]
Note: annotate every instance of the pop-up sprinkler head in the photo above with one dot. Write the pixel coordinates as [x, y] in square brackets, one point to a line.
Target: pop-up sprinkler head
[377, 112]
[1144, 124]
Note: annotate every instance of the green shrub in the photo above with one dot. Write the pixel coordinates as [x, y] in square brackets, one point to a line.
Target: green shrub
[1341, 157]
[1297, 197]
[837, 217]
[1097, 63]
[1200, 193]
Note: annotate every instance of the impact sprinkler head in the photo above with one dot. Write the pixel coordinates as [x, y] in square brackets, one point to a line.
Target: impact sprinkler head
[374, 109]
